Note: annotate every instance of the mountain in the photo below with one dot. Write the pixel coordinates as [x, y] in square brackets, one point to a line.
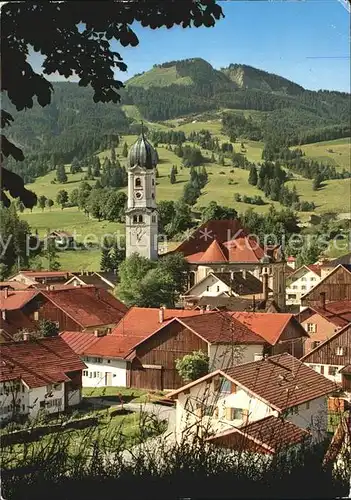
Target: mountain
[247, 77]
[73, 125]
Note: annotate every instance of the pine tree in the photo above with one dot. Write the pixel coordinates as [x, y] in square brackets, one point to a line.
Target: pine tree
[253, 178]
[105, 262]
[125, 150]
[173, 177]
[61, 175]
[118, 255]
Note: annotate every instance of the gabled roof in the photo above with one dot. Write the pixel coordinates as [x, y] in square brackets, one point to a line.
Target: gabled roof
[14, 285]
[270, 434]
[91, 279]
[213, 253]
[338, 313]
[327, 278]
[225, 302]
[315, 268]
[79, 341]
[280, 381]
[43, 274]
[339, 333]
[16, 299]
[220, 327]
[143, 321]
[269, 325]
[232, 241]
[248, 285]
[16, 320]
[38, 362]
[87, 305]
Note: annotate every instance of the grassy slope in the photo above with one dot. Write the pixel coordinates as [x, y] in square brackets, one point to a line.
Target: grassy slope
[334, 195]
[160, 77]
[340, 157]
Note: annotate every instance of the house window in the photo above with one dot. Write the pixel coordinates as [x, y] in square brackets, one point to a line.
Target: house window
[85, 373]
[57, 402]
[57, 387]
[97, 360]
[307, 405]
[217, 288]
[303, 279]
[294, 287]
[153, 218]
[207, 289]
[90, 374]
[36, 315]
[313, 278]
[311, 327]
[138, 182]
[332, 370]
[225, 387]
[234, 413]
[23, 407]
[303, 287]
[339, 351]
[153, 182]
[292, 296]
[315, 344]
[109, 361]
[140, 218]
[153, 196]
[135, 219]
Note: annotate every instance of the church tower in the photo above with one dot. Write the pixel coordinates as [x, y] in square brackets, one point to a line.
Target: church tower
[141, 213]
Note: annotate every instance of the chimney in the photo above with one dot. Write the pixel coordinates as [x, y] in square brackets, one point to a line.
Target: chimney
[161, 315]
[322, 295]
[6, 293]
[26, 336]
[3, 314]
[208, 308]
[265, 286]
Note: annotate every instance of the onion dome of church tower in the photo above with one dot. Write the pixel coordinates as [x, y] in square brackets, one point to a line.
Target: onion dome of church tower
[142, 153]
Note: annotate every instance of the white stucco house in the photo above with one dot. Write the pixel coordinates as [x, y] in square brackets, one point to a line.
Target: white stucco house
[104, 361]
[41, 375]
[261, 405]
[300, 282]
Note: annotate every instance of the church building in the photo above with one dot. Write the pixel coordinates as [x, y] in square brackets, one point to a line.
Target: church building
[141, 213]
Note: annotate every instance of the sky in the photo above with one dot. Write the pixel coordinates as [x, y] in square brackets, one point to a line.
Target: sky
[304, 41]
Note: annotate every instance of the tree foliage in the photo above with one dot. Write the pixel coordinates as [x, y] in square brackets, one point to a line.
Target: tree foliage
[70, 49]
[193, 366]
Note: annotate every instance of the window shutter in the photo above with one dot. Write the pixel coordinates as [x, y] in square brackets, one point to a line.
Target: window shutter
[233, 388]
[229, 413]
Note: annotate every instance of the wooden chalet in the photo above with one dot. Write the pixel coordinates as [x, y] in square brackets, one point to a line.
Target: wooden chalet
[334, 287]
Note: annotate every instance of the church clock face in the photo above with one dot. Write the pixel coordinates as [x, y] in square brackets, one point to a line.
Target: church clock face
[138, 195]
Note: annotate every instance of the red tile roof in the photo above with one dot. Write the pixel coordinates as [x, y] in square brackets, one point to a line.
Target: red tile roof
[88, 305]
[281, 381]
[14, 285]
[16, 320]
[79, 341]
[16, 299]
[232, 241]
[338, 313]
[269, 435]
[269, 325]
[214, 253]
[141, 322]
[315, 268]
[220, 327]
[38, 362]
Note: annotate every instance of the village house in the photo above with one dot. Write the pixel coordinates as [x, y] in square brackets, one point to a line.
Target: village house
[222, 246]
[323, 320]
[229, 284]
[40, 279]
[332, 358]
[105, 360]
[83, 308]
[44, 375]
[263, 404]
[144, 346]
[105, 280]
[300, 282]
[335, 286]
[281, 331]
